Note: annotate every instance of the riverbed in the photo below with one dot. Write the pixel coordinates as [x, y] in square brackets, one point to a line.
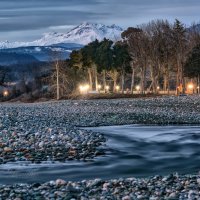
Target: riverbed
[130, 151]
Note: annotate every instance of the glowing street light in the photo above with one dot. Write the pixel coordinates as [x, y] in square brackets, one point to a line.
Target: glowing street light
[190, 86]
[198, 89]
[5, 93]
[107, 88]
[99, 87]
[158, 88]
[117, 88]
[84, 89]
[81, 88]
[137, 87]
[87, 87]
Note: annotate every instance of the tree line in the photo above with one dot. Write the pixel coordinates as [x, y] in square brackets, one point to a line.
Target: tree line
[151, 55]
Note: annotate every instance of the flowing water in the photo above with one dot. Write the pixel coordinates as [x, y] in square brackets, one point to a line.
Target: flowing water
[131, 151]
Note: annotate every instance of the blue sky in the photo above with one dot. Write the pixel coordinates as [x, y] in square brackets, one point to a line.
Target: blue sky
[26, 20]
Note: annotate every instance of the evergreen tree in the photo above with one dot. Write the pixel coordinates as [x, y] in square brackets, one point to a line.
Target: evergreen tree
[192, 66]
[121, 60]
[89, 54]
[75, 60]
[180, 49]
[104, 58]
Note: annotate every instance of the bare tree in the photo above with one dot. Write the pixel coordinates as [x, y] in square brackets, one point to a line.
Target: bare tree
[59, 78]
[162, 37]
[154, 40]
[114, 75]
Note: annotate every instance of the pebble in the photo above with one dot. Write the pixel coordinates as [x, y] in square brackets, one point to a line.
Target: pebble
[7, 149]
[66, 144]
[94, 189]
[60, 182]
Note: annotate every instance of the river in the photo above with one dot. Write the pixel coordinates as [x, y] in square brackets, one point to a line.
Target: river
[130, 151]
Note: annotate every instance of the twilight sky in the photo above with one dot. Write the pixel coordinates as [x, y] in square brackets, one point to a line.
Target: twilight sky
[26, 20]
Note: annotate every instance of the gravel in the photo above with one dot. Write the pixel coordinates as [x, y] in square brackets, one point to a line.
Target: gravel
[52, 132]
[154, 188]
[165, 110]
[58, 144]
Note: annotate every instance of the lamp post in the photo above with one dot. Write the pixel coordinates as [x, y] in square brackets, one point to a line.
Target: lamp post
[137, 88]
[117, 88]
[107, 88]
[158, 88]
[5, 93]
[190, 88]
[99, 87]
[84, 89]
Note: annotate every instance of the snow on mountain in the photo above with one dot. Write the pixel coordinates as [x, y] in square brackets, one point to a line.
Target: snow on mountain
[8, 45]
[86, 33]
[82, 34]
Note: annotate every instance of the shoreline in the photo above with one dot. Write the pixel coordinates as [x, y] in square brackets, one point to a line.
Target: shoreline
[172, 186]
[160, 110]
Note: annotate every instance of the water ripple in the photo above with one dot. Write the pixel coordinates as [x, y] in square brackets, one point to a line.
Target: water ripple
[137, 151]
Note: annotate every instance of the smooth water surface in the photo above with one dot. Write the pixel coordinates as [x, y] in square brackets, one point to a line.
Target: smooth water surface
[131, 151]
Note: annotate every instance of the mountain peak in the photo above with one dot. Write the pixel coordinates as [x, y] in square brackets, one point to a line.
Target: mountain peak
[82, 34]
[87, 32]
[90, 24]
[86, 24]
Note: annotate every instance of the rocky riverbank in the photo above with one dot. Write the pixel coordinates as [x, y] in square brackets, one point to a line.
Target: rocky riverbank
[49, 145]
[154, 188]
[52, 131]
[71, 113]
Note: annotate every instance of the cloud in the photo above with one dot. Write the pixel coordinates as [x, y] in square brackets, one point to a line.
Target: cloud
[37, 16]
[40, 19]
[64, 27]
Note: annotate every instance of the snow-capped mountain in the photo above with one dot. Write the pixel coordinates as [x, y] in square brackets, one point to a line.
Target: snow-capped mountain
[82, 34]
